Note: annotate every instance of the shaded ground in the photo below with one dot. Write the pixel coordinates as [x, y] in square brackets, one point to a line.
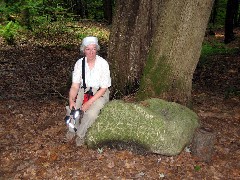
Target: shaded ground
[32, 130]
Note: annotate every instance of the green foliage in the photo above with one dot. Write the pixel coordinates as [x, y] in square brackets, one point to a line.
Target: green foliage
[214, 48]
[44, 27]
[95, 9]
[197, 168]
[220, 16]
[81, 35]
[232, 91]
[9, 9]
[50, 18]
[9, 32]
[101, 33]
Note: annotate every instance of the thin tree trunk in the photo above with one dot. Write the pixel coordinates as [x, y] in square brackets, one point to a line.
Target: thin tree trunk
[212, 19]
[26, 18]
[236, 10]
[78, 9]
[229, 19]
[107, 5]
[238, 22]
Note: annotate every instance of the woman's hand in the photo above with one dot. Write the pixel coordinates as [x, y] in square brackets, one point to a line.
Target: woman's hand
[98, 94]
[72, 104]
[86, 105]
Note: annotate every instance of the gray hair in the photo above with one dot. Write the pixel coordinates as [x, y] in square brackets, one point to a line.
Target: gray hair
[89, 40]
[82, 48]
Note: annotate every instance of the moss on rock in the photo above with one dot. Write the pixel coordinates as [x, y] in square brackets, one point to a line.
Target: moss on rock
[160, 127]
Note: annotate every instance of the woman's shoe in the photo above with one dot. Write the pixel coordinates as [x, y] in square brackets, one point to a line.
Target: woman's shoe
[79, 141]
[70, 135]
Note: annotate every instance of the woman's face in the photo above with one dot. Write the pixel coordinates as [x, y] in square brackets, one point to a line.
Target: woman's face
[91, 51]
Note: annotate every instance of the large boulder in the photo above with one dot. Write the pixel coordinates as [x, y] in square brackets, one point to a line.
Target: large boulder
[156, 125]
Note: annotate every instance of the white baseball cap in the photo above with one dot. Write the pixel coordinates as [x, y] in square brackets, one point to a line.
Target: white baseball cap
[89, 40]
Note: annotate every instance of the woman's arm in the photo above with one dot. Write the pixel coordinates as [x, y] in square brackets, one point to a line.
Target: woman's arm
[98, 94]
[73, 94]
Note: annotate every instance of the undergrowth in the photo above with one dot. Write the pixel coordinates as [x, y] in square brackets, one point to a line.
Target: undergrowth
[9, 32]
[54, 33]
[212, 48]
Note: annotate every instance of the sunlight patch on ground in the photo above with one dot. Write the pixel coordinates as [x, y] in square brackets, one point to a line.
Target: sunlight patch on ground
[219, 35]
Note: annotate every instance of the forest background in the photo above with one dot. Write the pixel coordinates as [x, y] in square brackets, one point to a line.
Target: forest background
[66, 23]
[39, 46]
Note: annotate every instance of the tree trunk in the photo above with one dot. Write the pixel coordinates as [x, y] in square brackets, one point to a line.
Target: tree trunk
[78, 9]
[238, 22]
[212, 18]
[229, 19]
[175, 51]
[176, 29]
[236, 10]
[203, 144]
[26, 18]
[107, 5]
[214, 12]
[130, 39]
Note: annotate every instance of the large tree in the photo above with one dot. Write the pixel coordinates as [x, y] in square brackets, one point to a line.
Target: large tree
[158, 42]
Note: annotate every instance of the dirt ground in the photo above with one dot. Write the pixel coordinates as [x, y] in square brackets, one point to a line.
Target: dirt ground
[32, 129]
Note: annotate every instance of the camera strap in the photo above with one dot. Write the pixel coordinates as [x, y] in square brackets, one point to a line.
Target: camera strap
[83, 73]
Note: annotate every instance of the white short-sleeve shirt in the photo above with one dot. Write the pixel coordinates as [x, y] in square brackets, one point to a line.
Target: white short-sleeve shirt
[97, 77]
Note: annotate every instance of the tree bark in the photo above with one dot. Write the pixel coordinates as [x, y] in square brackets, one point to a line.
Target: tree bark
[164, 39]
[175, 51]
[203, 144]
[229, 19]
[238, 21]
[214, 12]
[107, 5]
[236, 10]
[130, 39]
[26, 18]
[78, 9]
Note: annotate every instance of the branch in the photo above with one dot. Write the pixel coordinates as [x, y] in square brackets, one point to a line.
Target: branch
[60, 94]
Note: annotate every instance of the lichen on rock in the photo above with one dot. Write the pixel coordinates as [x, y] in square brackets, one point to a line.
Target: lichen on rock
[156, 125]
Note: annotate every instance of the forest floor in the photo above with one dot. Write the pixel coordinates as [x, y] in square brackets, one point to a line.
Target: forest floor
[32, 130]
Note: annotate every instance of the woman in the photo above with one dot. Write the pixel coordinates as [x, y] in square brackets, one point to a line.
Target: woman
[97, 78]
